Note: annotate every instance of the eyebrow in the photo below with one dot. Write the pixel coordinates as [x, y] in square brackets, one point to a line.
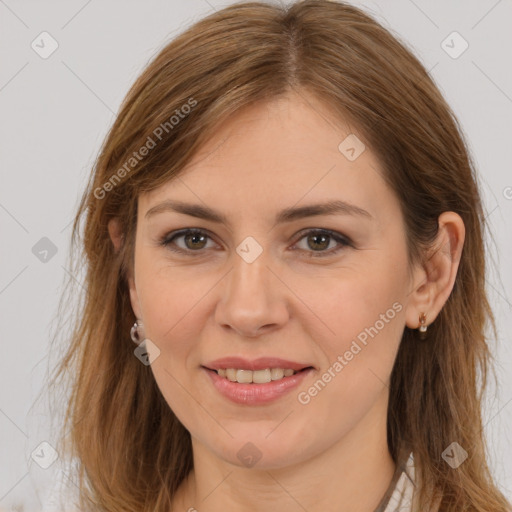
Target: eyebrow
[286, 215]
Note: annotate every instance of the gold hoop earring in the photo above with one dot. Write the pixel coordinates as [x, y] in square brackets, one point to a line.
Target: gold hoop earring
[423, 325]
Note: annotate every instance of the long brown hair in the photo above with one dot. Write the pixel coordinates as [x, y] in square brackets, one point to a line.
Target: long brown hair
[133, 452]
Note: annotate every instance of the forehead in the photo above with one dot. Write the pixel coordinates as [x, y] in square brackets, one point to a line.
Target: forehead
[276, 154]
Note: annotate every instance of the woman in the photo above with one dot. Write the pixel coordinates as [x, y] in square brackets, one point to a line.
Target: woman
[285, 220]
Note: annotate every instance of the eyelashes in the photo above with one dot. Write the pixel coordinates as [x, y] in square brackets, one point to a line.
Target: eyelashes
[169, 240]
[199, 236]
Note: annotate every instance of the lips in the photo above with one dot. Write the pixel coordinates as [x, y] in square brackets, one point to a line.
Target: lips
[285, 376]
[261, 363]
[255, 393]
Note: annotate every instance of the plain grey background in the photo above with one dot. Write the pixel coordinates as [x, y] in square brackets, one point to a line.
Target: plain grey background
[56, 110]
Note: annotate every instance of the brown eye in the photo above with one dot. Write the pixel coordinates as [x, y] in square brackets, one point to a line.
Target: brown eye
[318, 241]
[194, 240]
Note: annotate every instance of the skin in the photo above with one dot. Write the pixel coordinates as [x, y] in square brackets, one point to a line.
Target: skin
[284, 304]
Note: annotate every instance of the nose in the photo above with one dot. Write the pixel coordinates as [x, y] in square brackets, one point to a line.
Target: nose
[254, 299]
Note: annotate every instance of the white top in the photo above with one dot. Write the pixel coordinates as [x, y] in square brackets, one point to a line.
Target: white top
[402, 496]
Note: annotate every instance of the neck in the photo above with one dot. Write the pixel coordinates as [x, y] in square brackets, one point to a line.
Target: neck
[353, 474]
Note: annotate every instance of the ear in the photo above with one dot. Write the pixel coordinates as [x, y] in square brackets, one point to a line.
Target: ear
[434, 282]
[117, 237]
[116, 233]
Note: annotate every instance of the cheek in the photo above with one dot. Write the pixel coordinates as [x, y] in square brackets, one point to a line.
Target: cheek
[364, 319]
[172, 307]
[359, 303]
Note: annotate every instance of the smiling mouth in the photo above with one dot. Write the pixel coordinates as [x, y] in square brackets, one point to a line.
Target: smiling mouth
[256, 376]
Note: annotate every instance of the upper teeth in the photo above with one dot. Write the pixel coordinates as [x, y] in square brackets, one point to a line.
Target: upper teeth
[257, 376]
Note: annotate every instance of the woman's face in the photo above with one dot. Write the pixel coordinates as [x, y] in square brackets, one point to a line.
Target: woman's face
[274, 280]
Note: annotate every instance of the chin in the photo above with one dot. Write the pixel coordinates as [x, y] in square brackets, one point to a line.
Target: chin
[255, 451]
